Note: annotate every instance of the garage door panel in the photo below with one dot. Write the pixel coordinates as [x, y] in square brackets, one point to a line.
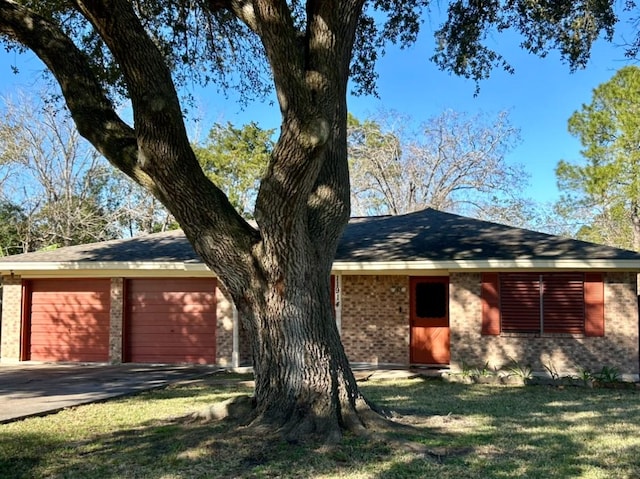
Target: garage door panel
[69, 320]
[72, 297]
[177, 358]
[154, 319]
[172, 350]
[70, 344]
[67, 353]
[163, 285]
[173, 333]
[171, 321]
[79, 316]
[172, 298]
[174, 308]
[88, 285]
[59, 330]
[184, 347]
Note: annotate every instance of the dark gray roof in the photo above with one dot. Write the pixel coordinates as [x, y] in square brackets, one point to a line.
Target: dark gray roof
[157, 247]
[437, 236]
[428, 235]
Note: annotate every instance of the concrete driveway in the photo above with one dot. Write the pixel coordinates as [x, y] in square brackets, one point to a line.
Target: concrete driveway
[39, 389]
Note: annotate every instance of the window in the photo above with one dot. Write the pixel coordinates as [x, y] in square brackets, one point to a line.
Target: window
[431, 300]
[543, 303]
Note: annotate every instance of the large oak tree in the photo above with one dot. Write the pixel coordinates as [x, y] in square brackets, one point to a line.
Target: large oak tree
[278, 274]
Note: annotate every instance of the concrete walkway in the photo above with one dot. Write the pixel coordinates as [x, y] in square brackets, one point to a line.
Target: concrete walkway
[38, 389]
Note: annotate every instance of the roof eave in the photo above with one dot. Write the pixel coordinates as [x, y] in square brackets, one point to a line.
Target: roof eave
[414, 267]
[105, 269]
[196, 269]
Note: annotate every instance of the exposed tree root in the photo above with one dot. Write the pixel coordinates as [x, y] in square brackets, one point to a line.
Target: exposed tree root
[234, 409]
[365, 420]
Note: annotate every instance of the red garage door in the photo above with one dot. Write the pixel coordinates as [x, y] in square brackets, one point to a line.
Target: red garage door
[68, 319]
[171, 321]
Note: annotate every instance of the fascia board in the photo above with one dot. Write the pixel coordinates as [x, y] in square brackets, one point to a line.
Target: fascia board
[105, 269]
[146, 269]
[398, 267]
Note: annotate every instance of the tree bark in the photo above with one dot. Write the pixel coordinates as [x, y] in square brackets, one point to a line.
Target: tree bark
[635, 224]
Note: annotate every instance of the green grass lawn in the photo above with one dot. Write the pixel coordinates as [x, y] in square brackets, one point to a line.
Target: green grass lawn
[470, 431]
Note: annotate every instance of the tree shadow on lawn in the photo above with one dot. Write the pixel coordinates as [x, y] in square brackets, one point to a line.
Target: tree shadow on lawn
[533, 431]
[466, 431]
[183, 448]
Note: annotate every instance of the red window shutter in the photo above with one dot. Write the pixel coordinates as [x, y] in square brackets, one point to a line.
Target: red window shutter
[490, 304]
[563, 303]
[520, 302]
[594, 304]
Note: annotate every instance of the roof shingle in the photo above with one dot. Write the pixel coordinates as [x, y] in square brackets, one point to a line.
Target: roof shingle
[423, 235]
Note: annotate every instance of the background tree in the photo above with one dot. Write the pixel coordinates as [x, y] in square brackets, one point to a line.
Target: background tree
[57, 178]
[235, 159]
[66, 191]
[13, 229]
[134, 210]
[278, 274]
[453, 162]
[603, 191]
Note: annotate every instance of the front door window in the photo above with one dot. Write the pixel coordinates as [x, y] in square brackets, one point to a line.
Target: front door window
[431, 300]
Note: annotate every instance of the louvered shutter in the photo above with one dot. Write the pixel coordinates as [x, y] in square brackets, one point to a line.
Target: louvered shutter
[594, 304]
[490, 304]
[563, 303]
[520, 302]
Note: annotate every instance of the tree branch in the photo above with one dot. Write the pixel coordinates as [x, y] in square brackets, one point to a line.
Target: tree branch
[157, 153]
[92, 111]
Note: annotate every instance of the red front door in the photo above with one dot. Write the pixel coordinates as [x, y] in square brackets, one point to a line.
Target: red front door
[430, 320]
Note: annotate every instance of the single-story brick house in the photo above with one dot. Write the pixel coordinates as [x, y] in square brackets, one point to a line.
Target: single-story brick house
[427, 288]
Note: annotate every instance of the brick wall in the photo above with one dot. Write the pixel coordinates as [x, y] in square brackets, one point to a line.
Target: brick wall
[224, 330]
[566, 354]
[375, 319]
[116, 320]
[11, 318]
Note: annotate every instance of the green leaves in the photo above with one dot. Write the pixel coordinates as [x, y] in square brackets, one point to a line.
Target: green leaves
[606, 184]
[568, 26]
[235, 160]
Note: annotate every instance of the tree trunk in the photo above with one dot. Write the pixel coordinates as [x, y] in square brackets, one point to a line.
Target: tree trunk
[304, 384]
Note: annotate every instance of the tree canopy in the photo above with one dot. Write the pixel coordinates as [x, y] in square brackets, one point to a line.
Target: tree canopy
[451, 162]
[603, 190]
[236, 158]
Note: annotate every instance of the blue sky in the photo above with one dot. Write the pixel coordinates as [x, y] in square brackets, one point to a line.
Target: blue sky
[540, 96]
